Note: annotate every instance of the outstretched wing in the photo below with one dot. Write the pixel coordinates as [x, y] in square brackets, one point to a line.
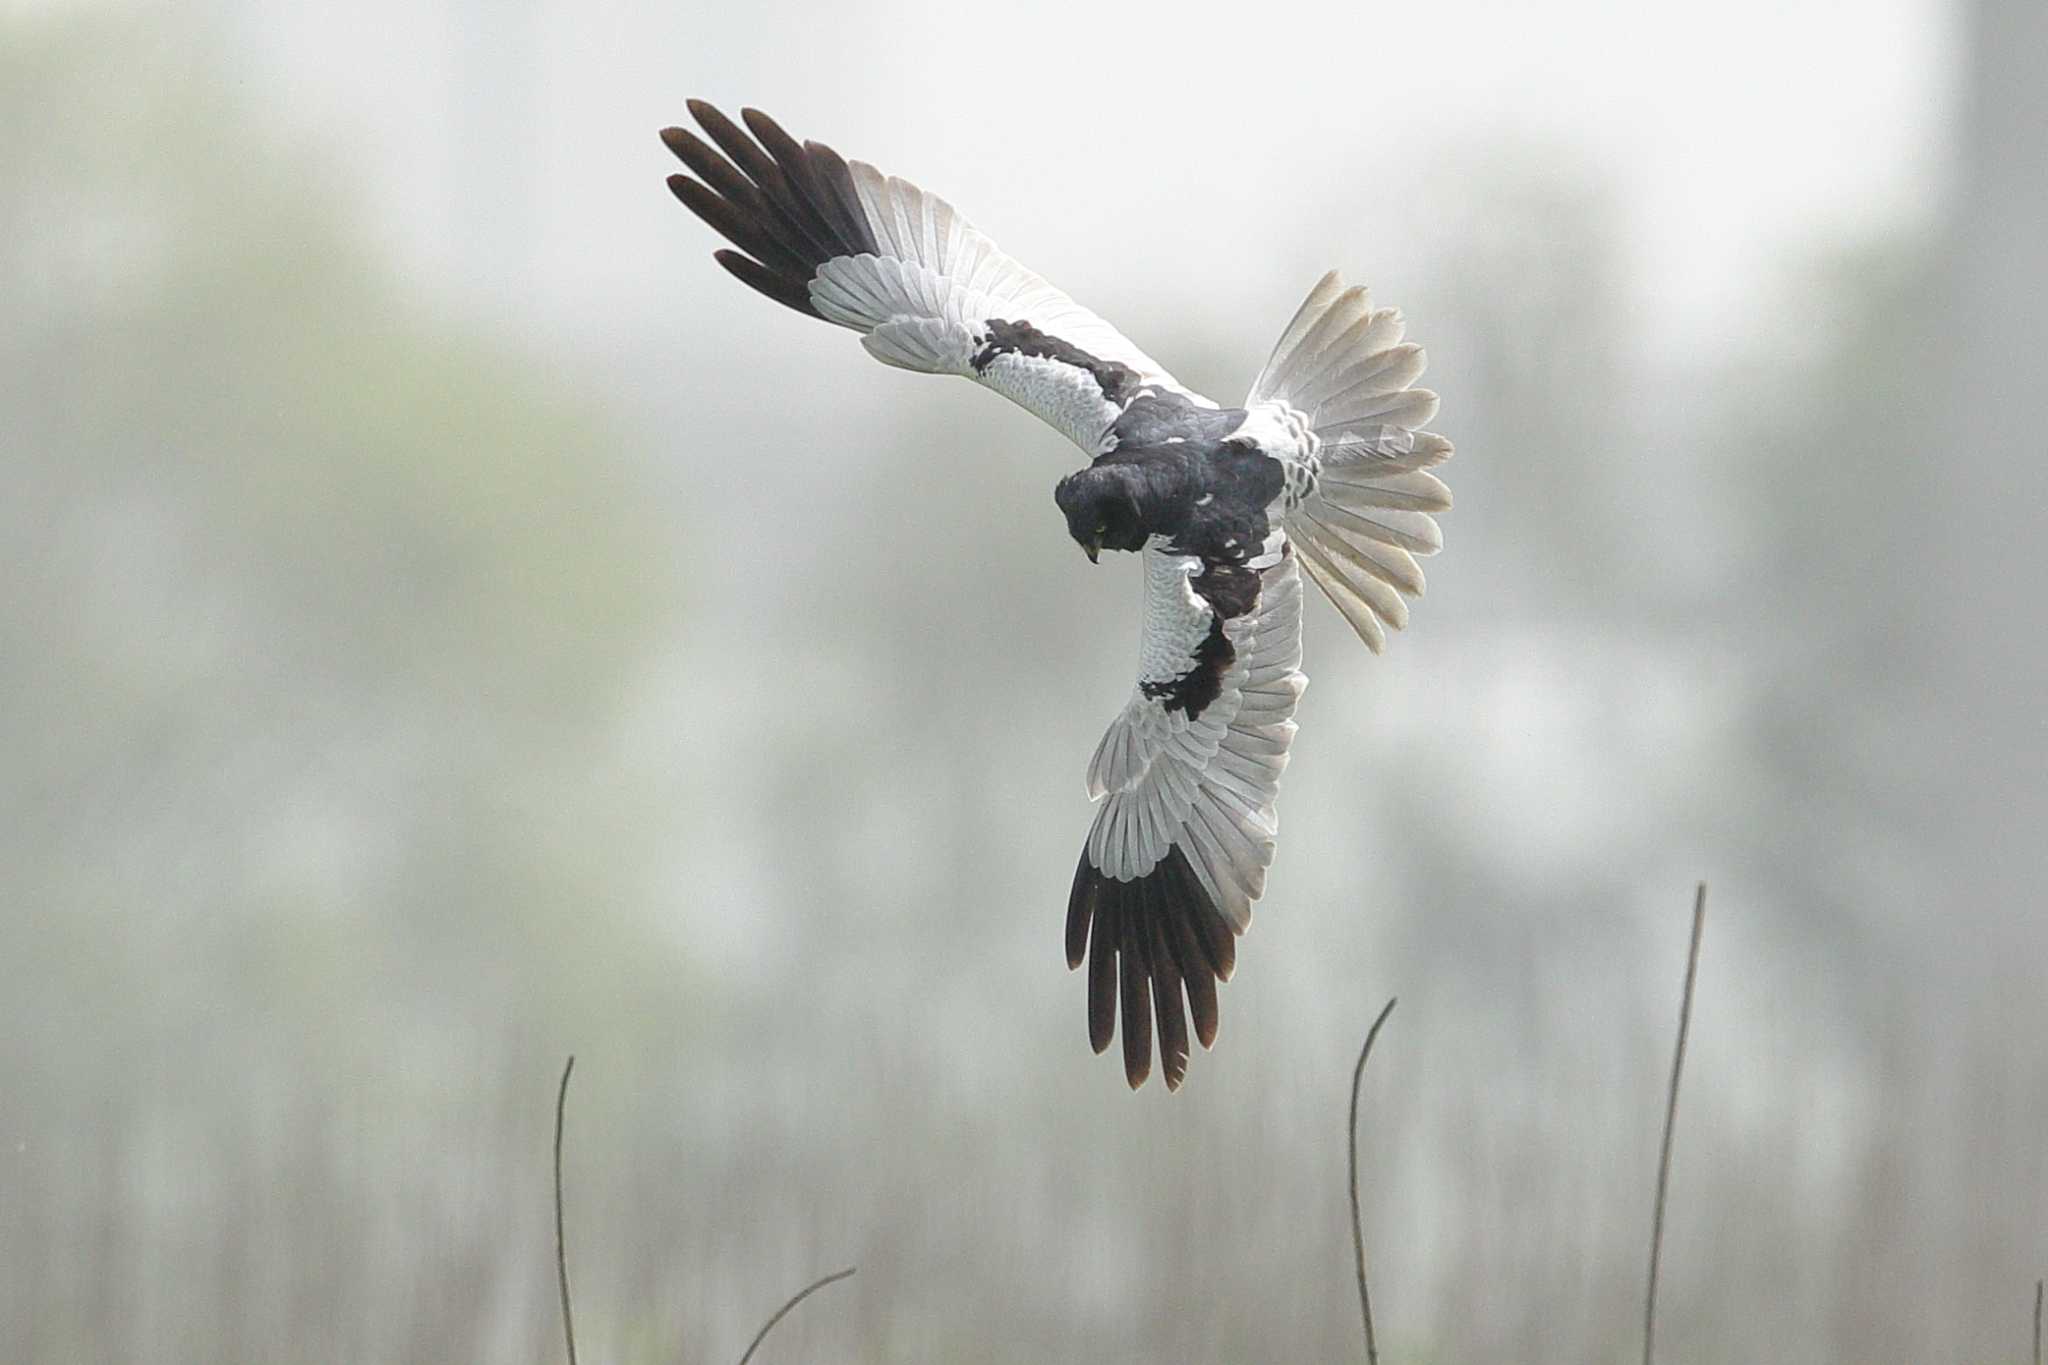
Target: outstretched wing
[927, 291]
[1187, 777]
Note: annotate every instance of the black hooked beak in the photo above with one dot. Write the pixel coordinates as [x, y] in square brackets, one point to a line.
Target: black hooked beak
[1093, 549]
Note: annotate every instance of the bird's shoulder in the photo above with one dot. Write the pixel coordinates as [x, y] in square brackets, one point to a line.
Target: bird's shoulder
[1220, 474]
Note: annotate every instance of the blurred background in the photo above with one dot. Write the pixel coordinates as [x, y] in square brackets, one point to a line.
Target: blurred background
[447, 624]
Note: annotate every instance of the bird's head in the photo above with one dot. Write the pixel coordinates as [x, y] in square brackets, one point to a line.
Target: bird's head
[1101, 504]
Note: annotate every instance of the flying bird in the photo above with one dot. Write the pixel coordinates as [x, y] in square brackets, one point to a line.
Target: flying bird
[1324, 468]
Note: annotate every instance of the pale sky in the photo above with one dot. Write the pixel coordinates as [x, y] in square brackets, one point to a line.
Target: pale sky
[1210, 144]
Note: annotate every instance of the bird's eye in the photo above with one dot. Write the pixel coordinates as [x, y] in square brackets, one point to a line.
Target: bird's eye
[1101, 528]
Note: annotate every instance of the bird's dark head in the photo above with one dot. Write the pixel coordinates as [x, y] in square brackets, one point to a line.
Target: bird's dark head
[1102, 507]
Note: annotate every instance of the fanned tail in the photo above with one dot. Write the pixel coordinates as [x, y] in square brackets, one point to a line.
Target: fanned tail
[1343, 366]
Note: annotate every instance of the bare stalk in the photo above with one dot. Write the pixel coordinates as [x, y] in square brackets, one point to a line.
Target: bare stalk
[783, 1312]
[2037, 1322]
[1692, 963]
[1372, 1350]
[561, 1253]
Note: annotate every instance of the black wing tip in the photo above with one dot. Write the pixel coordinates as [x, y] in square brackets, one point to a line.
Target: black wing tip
[1136, 972]
[721, 129]
[821, 152]
[764, 127]
[1102, 976]
[1171, 1016]
[707, 116]
[1156, 947]
[1080, 911]
[789, 207]
[785, 290]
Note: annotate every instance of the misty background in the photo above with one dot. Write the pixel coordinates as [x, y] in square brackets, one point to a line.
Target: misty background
[448, 624]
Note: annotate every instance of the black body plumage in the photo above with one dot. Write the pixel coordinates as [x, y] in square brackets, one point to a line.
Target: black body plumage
[1118, 382]
[1174, 470]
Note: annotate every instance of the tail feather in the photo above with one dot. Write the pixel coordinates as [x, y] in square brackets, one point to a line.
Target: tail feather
[1408, 409]
[1415, 532]
[1363, 601]
[1353, 356]
[1311, 311]
[1417, 489]
[1354, 549]
[1344, 366]
[1381, 449]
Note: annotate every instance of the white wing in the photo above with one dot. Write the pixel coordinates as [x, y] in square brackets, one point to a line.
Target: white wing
[1187, 776]
[928, 292]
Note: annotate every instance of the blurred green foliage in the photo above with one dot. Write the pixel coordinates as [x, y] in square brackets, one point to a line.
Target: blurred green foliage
[321, 607]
